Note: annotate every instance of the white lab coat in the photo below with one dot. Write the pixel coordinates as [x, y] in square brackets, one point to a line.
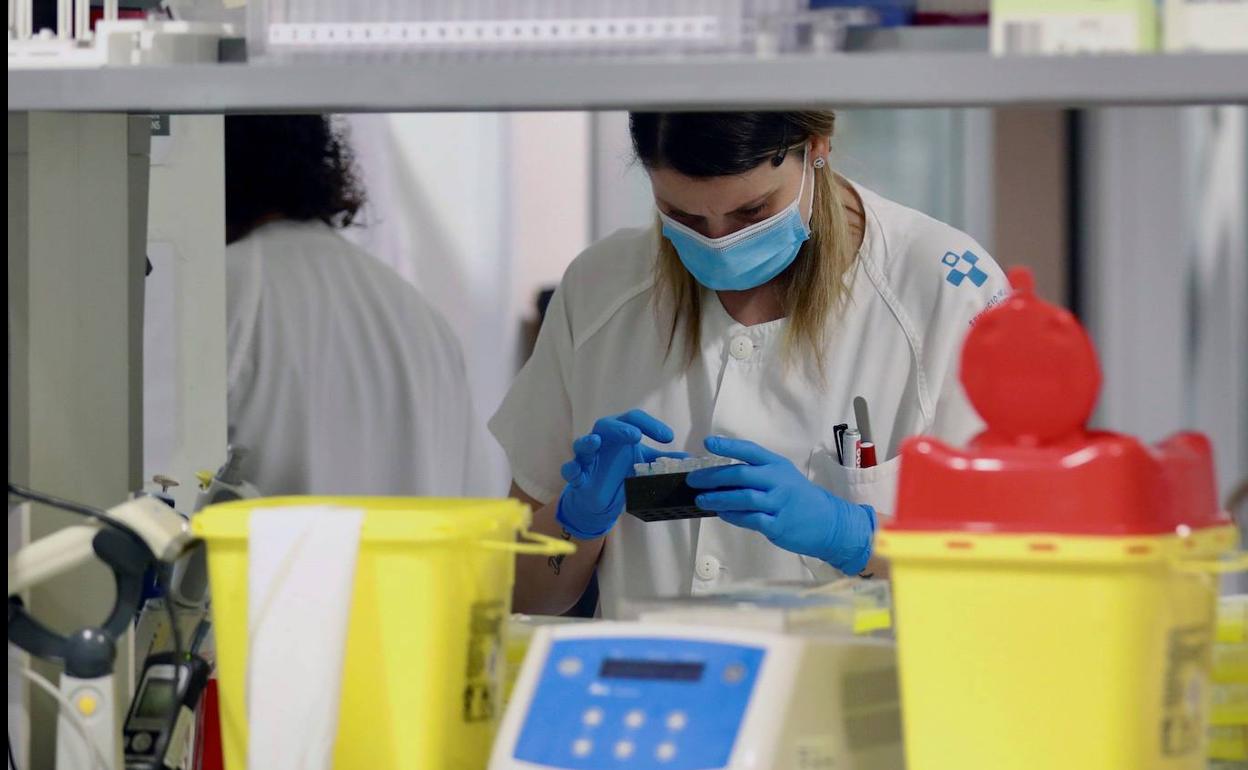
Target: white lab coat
[601, 352]
[342, 378]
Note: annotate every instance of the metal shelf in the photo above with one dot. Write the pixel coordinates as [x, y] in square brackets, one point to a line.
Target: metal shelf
[894, 79]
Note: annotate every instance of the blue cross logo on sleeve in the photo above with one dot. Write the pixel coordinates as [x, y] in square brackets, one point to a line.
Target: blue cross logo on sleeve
[962, 268]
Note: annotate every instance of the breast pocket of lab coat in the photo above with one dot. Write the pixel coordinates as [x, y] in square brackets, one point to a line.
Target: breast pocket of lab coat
[876, 487]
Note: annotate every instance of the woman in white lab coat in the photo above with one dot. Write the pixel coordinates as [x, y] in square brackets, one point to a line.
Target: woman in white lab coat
[769, 295]
[342, 378]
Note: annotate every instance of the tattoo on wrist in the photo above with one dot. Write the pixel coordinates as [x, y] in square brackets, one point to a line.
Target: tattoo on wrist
[556, 562]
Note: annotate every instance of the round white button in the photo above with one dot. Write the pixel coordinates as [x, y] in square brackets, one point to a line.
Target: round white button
[666, 751]
[582, 746]
[741, 348]
[570, 666]
[677, 720]
[592, 717]
[635, 718]
[707, 567]
[141, 743]
[623, 749]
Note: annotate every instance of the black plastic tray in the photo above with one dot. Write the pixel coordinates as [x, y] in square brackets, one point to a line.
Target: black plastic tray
[664, 497]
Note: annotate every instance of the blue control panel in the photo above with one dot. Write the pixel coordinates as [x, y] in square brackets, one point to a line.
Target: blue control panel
[628, 702]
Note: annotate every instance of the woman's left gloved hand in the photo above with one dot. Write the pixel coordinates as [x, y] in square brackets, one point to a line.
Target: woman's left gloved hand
[771, 496]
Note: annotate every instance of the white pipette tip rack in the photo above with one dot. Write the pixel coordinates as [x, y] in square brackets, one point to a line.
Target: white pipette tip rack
[665, 465]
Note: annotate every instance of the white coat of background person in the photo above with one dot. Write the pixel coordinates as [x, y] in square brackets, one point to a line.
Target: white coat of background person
[771, 293]
[342, 379]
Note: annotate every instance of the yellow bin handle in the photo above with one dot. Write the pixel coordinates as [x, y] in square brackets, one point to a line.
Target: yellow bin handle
[1237, 562]
[537, 545]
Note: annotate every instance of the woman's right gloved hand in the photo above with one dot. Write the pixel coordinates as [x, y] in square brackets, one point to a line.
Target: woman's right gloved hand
[594, 496]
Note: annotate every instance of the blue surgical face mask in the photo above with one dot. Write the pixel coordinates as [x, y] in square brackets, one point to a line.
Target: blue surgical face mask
[751, 256]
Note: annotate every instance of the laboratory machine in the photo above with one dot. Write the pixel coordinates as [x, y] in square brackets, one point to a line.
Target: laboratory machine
[701, 697]
[168, 685]
[283, 30]
[128, 538]
[189, 582]
[847, 606]
[80, 41]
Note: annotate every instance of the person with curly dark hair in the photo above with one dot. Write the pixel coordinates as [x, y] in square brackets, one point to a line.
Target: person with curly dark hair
[295, 167]
[342, 378]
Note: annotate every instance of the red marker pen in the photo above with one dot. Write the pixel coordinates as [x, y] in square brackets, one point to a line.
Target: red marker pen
[868, 455]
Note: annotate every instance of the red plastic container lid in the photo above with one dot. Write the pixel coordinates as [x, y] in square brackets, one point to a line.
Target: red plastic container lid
[1031, 372]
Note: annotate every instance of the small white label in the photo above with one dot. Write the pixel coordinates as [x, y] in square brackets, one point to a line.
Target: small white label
[1065, 33]
[815, 752]
[1206, 25]
[175, 752]
[162, 139]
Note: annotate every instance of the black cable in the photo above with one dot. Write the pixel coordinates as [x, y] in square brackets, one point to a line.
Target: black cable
[201, 633]
[12, 761]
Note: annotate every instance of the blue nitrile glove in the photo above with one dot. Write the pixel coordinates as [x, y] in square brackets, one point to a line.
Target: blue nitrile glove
[771, 496]
[594, 496]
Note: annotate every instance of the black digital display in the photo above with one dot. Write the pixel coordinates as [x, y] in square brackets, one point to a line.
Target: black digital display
[157, 699]
[651, 669]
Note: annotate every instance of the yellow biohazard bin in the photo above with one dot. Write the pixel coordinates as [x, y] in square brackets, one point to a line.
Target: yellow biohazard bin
[421, 680]
[1054, 589]
[1031, 652]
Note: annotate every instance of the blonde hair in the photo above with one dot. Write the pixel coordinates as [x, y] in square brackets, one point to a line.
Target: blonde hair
[812, 290]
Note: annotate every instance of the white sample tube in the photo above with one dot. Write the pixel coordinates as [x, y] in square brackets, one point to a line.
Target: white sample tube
[25, 19]
[851, 448]
[82, 19]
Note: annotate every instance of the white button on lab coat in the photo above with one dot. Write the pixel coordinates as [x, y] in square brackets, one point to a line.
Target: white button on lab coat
[342, 379]
[916, 288]
[708, 568]
[741, 348]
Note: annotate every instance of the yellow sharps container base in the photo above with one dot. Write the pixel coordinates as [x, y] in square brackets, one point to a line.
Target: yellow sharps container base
[422, 675]
[1043, 652]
